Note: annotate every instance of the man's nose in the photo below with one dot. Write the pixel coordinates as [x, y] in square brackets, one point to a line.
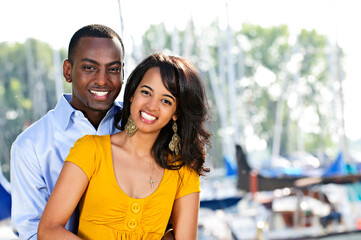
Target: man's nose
[102, 77]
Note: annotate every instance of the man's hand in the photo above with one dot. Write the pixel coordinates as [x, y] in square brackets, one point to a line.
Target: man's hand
[168, 235]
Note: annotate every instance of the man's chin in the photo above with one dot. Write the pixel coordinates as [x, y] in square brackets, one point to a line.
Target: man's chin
[100, 108]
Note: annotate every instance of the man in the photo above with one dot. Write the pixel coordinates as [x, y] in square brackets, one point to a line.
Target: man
[95, 69]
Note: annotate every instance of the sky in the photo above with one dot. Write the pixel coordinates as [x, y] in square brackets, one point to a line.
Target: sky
[55, 22]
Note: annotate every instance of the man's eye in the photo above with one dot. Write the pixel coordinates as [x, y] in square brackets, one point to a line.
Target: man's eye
[115, 70]
[88, 68]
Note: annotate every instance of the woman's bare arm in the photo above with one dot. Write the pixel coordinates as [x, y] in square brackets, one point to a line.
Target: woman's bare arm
[185, 217]
[67, 192]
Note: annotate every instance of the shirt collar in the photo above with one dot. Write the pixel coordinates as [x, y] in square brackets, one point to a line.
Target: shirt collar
[64, 111]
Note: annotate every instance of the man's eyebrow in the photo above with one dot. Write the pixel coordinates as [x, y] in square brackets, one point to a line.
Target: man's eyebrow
[115, 62]
[96, 63]
[89, 60]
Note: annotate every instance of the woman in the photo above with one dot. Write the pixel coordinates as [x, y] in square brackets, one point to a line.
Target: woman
[130, 183]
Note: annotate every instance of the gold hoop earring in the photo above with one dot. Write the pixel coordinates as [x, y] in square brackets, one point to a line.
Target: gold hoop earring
[174, 144]
[130, 127]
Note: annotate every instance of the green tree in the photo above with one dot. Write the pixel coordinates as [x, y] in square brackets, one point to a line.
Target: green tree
[281, 79]
[27, 89]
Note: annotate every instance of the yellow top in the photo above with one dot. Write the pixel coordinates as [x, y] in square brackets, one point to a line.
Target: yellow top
[106, 212]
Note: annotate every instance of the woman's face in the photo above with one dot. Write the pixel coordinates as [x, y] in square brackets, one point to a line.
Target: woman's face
[152, 104]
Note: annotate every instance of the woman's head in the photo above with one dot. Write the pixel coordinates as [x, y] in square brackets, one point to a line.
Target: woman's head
[152, 104]
[182, 80]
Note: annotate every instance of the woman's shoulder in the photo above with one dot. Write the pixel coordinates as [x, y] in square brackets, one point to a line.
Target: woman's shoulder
[118, 139]
[177, 163]
[188, 171]
[188, 181]
[92, 141]
[93, 138]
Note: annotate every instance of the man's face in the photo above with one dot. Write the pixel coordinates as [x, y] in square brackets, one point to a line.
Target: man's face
[96, 74]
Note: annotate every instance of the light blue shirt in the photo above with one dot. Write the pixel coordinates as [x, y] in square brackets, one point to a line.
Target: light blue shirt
[37, 157]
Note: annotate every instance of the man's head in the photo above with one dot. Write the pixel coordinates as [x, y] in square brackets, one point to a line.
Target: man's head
[95, 69]
[93, 30]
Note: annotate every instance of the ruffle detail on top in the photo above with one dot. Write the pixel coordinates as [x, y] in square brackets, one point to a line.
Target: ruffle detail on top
[103, 232]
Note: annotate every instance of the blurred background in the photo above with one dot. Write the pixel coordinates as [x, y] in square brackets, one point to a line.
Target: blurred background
[283, 86]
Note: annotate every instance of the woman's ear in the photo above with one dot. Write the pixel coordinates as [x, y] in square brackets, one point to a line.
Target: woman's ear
[174, 117]
[67, 70]
[131, 99]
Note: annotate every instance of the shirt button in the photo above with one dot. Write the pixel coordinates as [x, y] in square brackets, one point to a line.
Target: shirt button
[132, 224]
[135, 208]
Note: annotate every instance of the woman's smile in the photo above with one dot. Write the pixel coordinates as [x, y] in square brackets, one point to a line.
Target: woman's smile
[147, 117]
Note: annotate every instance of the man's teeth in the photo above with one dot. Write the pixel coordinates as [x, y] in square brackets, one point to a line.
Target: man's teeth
[147, 116]
[98, 93]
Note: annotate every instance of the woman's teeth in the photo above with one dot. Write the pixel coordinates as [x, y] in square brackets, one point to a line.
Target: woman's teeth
[147, 116]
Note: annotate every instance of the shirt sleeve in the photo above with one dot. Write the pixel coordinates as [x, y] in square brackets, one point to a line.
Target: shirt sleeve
[188, 182]
[29, 193]
[84, 154]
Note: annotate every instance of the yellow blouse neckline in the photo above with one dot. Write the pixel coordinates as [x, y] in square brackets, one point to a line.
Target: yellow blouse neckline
[114, 179]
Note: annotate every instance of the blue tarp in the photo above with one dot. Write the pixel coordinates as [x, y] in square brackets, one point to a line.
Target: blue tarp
[231, 166]
[340, 167]
[5, 197]
[223, 203]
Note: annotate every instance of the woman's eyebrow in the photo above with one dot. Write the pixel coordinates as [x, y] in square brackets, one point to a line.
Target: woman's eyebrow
[170, 96]
[151, 89]
[146, 86]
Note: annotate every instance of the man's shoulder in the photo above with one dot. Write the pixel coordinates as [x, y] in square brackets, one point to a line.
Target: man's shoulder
[37, 129]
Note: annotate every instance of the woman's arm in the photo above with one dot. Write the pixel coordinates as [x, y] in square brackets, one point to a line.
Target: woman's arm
[185, 217]
[67, 192]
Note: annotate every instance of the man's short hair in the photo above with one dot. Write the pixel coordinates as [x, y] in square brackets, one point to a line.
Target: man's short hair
[93, 30]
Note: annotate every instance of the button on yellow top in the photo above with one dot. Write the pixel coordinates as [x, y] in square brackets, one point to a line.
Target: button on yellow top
[135, 208]
[132, 224]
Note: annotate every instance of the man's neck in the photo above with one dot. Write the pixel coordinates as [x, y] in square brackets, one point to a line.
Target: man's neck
[95, 118]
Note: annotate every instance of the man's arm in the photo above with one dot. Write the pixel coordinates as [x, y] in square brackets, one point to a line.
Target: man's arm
[29, 192]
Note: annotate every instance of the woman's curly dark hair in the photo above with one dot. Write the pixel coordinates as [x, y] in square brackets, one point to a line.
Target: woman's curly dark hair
[182, 80]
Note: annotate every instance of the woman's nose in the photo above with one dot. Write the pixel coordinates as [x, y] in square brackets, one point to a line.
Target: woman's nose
[153, 104]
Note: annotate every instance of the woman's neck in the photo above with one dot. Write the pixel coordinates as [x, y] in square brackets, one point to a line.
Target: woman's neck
[141, 144]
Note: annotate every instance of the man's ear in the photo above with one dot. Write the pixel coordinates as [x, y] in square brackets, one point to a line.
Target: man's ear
[67, 70]
[122, 73]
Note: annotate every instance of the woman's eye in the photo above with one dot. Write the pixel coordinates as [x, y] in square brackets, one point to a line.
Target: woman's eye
[167, 101]
[145, 92]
